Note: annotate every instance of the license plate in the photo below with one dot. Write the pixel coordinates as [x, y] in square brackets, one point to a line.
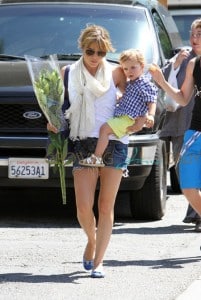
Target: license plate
[28, 168]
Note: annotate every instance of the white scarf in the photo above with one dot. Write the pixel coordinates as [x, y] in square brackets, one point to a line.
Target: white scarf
[83, 89]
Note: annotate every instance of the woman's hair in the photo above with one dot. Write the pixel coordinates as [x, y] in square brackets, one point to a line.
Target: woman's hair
[196, 24]
[132, 54]
[95, 34]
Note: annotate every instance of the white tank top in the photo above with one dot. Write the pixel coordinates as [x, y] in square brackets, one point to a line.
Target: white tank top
[104, 110]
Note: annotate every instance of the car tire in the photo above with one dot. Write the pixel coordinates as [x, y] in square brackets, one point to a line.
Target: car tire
[149, 202]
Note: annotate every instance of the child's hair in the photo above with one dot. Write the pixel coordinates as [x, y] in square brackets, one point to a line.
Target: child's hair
[132, 54]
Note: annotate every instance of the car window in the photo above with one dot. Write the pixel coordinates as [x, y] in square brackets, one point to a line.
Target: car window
[163, 36]
[183, 20]
[39, 30]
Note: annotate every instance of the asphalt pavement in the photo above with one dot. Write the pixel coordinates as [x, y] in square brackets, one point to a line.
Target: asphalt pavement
[41, 252]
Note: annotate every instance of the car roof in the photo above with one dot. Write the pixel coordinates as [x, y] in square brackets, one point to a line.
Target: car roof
[146, 3]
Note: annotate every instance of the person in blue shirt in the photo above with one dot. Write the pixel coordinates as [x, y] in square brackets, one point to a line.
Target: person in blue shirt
[177, 121]
[135, 109]
[189, 161]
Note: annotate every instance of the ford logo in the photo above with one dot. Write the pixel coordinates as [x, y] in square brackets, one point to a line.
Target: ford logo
[32, 115]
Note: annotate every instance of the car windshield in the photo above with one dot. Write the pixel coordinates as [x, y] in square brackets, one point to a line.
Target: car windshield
[40, 30]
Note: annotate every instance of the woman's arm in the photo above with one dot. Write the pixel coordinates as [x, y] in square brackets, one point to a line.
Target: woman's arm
[63, 71]
[119, 78]
[183, 95]
[187, 87]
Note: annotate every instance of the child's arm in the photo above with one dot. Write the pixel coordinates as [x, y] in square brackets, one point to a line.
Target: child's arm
[151, 114]
[147, 120]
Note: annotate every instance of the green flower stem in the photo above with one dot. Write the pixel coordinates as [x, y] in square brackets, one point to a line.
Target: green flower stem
[56, 153]
[62, 178]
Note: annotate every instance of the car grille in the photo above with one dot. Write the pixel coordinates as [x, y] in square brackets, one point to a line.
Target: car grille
[13, 119]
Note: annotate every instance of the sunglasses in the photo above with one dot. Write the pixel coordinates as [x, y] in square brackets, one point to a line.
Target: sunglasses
[195, 35]
[91, 52]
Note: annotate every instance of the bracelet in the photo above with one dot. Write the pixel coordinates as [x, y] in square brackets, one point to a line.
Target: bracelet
[151, 115]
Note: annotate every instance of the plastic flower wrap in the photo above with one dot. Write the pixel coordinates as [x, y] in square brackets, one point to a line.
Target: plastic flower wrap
[49, 90]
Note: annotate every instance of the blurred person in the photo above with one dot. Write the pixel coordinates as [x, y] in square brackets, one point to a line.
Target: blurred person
[190, 154]
[178, 117]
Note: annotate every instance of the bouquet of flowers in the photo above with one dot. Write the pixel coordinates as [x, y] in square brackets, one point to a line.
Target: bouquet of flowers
[49, 90]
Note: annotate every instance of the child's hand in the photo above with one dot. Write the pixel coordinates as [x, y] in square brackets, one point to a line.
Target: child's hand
[149, 121]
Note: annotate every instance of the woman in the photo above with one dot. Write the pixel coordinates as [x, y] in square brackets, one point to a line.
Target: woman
[190, 156]
[92, 88]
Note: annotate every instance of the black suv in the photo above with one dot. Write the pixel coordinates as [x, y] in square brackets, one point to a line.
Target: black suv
[41, 28]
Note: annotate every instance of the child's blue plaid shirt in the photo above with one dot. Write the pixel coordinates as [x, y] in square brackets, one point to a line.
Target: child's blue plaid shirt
[137, 95]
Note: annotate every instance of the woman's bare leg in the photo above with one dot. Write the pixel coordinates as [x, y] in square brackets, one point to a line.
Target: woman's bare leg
[194, 198]
[85, 184]
[109, 179]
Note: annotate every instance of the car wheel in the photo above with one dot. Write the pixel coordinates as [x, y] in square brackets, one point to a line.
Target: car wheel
[149, 202]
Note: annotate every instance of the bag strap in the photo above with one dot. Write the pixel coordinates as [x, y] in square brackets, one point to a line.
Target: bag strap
[188, 143]
[67, 69]
[66, 103]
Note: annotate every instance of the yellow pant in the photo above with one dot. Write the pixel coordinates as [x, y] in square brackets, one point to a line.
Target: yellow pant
[119, 125]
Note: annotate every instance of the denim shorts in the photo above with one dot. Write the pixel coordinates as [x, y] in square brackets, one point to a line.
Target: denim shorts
[114, 156]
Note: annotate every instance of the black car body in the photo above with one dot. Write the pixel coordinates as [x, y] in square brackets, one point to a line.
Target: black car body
[40, 28]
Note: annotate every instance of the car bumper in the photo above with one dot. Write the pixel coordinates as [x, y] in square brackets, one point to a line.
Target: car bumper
[141, 155]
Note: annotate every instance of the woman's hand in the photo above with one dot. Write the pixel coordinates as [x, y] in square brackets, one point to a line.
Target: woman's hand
[183, 54]
[52, 128]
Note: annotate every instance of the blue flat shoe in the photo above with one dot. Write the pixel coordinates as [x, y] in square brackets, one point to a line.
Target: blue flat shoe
[88, 264]
[98, 272]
